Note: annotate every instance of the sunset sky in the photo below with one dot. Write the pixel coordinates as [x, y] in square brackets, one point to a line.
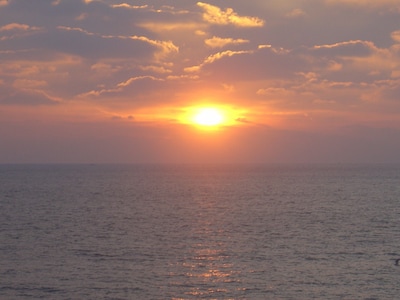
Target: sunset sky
[114, 81]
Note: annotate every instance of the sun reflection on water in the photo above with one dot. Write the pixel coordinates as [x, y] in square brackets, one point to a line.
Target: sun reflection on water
[210, 270]
[210, 266]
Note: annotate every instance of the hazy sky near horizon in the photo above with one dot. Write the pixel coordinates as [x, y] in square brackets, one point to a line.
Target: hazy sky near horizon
[104, 81]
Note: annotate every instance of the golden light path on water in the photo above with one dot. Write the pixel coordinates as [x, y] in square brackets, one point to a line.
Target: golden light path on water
[210, 268]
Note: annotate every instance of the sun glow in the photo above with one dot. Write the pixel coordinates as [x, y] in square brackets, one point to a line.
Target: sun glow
[208, 117]
[212, 116]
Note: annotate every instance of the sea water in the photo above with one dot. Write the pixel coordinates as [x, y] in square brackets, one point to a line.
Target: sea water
[199, 231]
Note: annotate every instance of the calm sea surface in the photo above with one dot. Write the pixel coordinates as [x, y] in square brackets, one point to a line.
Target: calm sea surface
[199, 232]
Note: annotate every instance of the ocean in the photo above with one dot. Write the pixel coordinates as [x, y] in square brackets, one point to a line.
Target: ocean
[200, 231]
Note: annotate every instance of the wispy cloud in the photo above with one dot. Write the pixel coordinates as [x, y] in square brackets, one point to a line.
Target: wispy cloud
[129, 6]
[17, 30]
[18, 27]
[218, 42]
[215, 15]
[213, 58]
[120, 87]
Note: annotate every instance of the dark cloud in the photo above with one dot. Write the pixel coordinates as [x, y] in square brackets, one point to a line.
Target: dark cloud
[76, 41]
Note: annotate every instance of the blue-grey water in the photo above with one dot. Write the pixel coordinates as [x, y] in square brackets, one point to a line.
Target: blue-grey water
[199, 232]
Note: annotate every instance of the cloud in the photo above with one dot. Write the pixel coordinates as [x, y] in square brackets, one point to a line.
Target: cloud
[27, 98]
[95, 16]
[17, 30]
[334, 76]
[122, 50]
[246, 65]
[17, 27]
[355, 60]
[132, 84]
[155, 69]
[348, 48]
[276, 93]
[126, 5]
[162, 26]
[165, 47]
[217, 42]
[29, 84]
[215, 15]
[213, 58]
[396, 36]
[371, 63]
[77, 41]
[367, 3]
[296, 13]
[217, 56]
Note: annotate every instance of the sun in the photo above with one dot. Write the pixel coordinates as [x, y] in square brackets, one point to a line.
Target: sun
[208, 117]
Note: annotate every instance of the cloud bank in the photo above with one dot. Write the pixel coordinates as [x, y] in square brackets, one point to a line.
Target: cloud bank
[283, 65]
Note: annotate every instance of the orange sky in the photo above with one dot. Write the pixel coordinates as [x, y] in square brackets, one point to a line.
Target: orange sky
[119, 81]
